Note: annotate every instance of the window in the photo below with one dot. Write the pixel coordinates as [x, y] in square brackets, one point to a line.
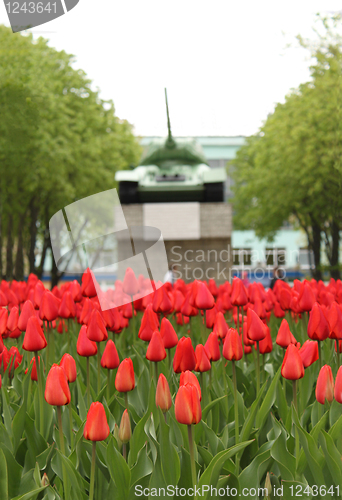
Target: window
[305, 258]
[242, 257]
[275, 257]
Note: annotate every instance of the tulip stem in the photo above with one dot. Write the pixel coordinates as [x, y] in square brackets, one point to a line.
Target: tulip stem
[236, 410]
[133, 321]
[108, 382]
[204, 391]
[192, 457]
[156, 372]
[169, 361]
[40, 390]
[61, 444]
[284, 379]
[237, 321]
[92, 471]
[98, 368]
[294, 387]
[224, 378]
[47, 330]
[338, 353]
[71, 431]
[258, 369]
[88, 381]
[320, 354]
[126, 400]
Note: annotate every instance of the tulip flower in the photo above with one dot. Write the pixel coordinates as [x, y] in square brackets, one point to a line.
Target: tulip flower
[184, 358]
[48, 309]
[125, 430]
[212, 347]
[3, 320]
[168, 334]
[67, 308]
[96, 332]
[69, 366]
[325, 385]
[203, 297]
[156, 350]
[306, 298]
[188, 411]
[110, 360]
[202, 360]
[188, 377]
[338, 386]
[149, 323]
[124, 380]
[284, 335]
[232, 347]
[220, 326]
[292, 367]
[130, 283]
[163, 395]
[161, 301]
[86, 348]
[34, 375]
[309, 353]
[256, 331]
[88, 288]
[57, 392]
[95, 429]
[318, 326]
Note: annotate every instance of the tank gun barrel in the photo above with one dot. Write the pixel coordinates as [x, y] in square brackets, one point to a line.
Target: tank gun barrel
[170, 141]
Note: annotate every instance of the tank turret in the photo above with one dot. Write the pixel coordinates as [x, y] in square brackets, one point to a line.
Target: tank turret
[172, 170]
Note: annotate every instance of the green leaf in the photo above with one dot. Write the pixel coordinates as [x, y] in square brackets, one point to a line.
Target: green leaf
[31, 494]
[267, 401]
[118, 469]
[18, 425]
[170, 462]
[3, 477]
[142, 468]
[286, 461]
[251, 475]
[210, 405]
[296, 488]
[332, 457]
[211, 475]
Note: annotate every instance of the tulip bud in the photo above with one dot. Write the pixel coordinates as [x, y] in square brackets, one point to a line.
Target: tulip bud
[110, 357]
[149, 323]
[220, 326]
[84, 346]
[163, 395]
[45, 480]
[168, 334]
[255, 327]
[325, 385]
[309, 352]
[69, 366]
[212, 347]
[57, 392]
[34, 339]
[34, 374]
[156, 350]
[124, 380]
[125, 431]
[284, 335]
[318, 327]
[292, 367]
[337, 388]
[232, 347]
[184, 358]
[188, 377]
[202, 360]
[130, 282]
[203, 297]
[96, 427]
[238, 295]
[187, 405]
[96, 330]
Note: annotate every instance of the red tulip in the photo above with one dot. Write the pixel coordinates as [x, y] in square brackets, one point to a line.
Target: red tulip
[184, 358]
[232, 347]
[96, 330]
[188, 377]
[156, 350]
[278, 311]
[161, 301]
[187, 405]
[84, 346]
[124, 380]
[12, 321]
[239, 293]
[220, 326]
[285, 299]
[3, 320]
[130, 282]
[34, 374]
[338, 386]
[266, 344]
[69, 366]
[292, 367]
[57, 392]
[309, 353]
[212, 347]
[210, 316]
[203, 297]
[325, 385]
[163, 395]
[202, 360]
[306, 298]
[96, 427]
[335, 322]
[48, 309]
[88, 288]
[67, 308]
[110, 357]
[168, 334]
[284, 335]
[255, 327]
[149, 323]
[34, 339]
[318, 327]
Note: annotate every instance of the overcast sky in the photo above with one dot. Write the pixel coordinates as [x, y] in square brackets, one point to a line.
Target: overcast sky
[224, 62]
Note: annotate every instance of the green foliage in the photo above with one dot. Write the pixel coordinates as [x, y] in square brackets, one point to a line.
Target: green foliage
[59, 141]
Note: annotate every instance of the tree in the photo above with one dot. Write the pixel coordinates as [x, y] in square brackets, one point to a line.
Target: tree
[292, 166]
[59, 142]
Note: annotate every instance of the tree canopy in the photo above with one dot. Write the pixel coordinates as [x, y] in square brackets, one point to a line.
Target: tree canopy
[59, 142]
[291, 168]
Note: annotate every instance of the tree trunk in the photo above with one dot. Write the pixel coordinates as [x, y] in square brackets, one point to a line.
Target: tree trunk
[46, 245]
[33, 236]
[55, 274]
[9, 250]
[0, 244]
[334, 262]
[19, 261]
[316, 248]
